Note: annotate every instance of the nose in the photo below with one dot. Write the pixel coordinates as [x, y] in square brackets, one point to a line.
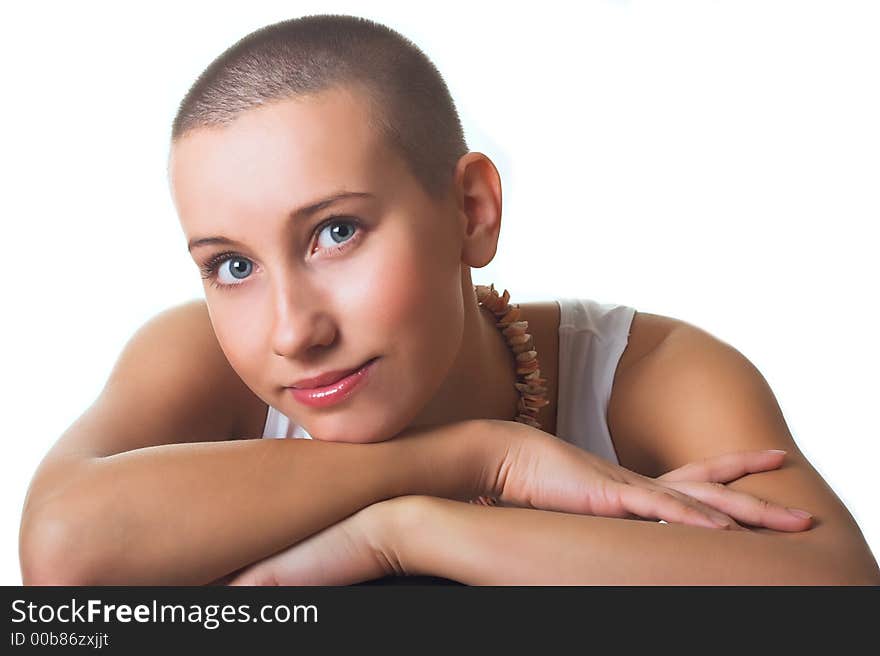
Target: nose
[300, 321]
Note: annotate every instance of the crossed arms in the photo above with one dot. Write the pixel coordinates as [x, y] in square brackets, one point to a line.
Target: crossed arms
[692, 400]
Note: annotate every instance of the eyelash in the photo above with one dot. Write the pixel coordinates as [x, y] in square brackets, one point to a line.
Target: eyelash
[209, 268]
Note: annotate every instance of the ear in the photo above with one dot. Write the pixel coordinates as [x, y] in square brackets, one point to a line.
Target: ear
[478, 196]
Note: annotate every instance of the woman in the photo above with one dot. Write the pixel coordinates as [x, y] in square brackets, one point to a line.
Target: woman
[322, 123]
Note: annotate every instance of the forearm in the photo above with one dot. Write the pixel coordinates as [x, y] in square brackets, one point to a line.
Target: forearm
[188, 514]
[514, 546]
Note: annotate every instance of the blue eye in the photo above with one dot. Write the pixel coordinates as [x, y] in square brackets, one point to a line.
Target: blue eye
[337, 235]
[241, 267]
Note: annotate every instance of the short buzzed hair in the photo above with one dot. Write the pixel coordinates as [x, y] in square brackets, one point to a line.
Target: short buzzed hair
[410, 105]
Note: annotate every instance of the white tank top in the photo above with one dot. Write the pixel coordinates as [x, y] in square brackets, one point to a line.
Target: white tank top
[592, 337]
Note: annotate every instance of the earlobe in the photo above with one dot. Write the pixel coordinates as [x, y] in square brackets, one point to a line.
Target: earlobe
[478, 195]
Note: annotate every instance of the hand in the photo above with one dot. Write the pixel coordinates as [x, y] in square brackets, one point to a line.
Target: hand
[545, 472]
[705, 480]
[347, 552]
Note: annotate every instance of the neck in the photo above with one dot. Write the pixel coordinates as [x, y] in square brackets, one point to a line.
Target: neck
[481, 382]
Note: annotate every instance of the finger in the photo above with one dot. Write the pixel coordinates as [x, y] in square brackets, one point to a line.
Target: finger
[726, 467]
[744, 507]
[672, 506]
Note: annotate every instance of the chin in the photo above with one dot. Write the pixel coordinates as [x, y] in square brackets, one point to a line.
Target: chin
[361, 435]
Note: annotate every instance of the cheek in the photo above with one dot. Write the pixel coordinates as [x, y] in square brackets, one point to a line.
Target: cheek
[396, 294]
[414, 300]
[411, 289]
[241, 345]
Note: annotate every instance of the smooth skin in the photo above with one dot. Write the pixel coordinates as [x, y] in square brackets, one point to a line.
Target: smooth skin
[381, 540]
[519, 546]
[146, 487]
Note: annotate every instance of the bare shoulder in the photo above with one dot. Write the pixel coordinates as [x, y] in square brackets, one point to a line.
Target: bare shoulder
[636, 371]
[647, 332]
[246, 410]
[238, 411]
[243, 411]
[170, 384]
[683, 394]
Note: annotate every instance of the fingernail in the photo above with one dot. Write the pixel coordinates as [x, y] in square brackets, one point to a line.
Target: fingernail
[776, 451]
[803, 514]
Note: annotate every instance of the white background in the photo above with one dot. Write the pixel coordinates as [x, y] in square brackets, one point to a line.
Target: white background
[711, 161]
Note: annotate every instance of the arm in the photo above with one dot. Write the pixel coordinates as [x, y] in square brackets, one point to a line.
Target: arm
[516, 546]
[149, 486]
[691, 398]
[368, 544]
[695, 396]
[188, 514]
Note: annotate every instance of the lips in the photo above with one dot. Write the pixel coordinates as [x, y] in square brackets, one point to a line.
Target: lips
[327, 378]
[334, 393]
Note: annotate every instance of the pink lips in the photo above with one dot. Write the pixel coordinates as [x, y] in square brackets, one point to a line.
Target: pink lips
[320, 397]
[324, 379]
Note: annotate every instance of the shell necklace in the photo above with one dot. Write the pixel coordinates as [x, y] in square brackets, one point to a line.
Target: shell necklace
[530, 385]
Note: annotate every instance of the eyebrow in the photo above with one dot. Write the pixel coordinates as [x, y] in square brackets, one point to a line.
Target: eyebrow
[296, 215]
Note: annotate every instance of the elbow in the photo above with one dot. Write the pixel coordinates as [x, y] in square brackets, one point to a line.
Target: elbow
[845, 565]
[47, 555]
[872, 580]
[843, 576]
[851, 578]
[869, 576]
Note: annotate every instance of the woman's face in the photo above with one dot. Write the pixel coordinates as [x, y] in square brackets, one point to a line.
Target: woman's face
[298, 295]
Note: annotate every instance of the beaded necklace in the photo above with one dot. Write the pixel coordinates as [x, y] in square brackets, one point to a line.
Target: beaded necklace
[532, 388]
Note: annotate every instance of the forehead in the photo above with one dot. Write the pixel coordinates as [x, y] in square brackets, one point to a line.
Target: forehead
[282, 153]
